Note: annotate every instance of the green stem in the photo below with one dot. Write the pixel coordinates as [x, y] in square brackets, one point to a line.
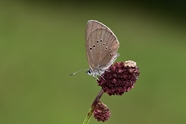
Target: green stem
[91, 110]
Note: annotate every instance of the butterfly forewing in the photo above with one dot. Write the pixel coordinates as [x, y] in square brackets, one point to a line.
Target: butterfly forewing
[101, 45]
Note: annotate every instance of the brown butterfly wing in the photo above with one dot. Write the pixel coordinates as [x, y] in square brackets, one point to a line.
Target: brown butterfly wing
[101, 45]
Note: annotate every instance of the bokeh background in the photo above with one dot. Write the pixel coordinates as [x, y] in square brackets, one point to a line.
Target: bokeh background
[42, 42]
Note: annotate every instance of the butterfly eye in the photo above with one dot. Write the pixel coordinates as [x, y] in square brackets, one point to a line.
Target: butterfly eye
[90, 48]
[89, 72]
[94, 45]
[103, 43]
[101, 40]
[97, 41]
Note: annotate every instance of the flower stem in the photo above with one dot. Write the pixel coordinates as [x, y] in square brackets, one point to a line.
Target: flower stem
[91, 110]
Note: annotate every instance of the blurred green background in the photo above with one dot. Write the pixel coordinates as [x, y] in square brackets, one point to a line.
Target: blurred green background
[42, 42]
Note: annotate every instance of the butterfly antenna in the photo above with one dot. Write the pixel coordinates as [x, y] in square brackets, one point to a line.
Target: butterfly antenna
[77, 72]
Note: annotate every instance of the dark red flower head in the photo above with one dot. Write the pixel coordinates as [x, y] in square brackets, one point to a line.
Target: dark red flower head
[101, 112]
[119, 78]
